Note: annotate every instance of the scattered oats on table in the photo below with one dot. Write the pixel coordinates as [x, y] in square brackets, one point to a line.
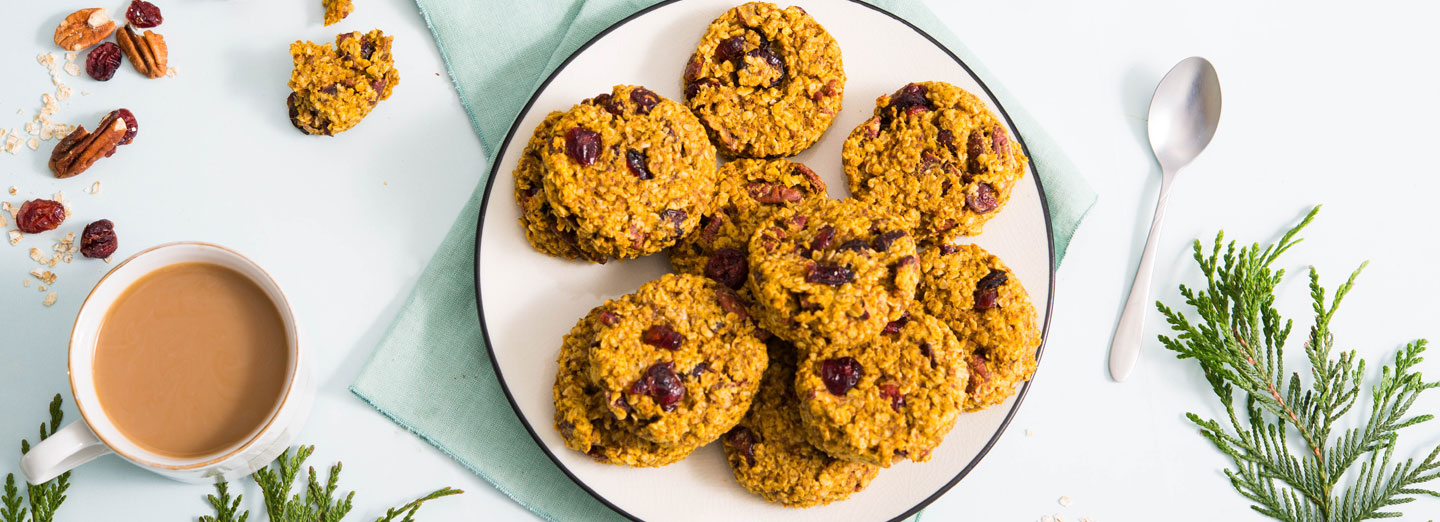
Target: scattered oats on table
[49, 299]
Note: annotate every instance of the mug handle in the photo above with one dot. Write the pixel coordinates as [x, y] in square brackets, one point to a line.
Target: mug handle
[66, 449]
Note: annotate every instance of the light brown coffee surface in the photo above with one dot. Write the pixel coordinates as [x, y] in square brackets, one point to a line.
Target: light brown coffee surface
[191, 359]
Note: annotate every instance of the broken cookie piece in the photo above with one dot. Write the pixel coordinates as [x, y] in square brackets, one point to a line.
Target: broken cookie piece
[337, 10]
[335, 88]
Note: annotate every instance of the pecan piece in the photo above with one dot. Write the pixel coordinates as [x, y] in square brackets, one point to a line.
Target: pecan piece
[82, 148]
[84, 28]
[147, 52]
[773, 194]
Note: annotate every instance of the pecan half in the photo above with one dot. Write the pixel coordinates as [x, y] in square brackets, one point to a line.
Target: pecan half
[82, 148]
[147, 52]
[84, 28]
[771, 193]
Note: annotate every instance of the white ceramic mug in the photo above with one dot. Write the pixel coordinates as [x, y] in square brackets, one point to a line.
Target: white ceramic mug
[96, 435]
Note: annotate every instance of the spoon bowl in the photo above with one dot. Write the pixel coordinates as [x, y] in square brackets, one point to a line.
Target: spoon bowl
[1184, 112]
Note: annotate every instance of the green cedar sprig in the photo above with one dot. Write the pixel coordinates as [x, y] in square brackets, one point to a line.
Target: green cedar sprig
[43, 499]
[225, 507]
[1239, 343]
[319, 503]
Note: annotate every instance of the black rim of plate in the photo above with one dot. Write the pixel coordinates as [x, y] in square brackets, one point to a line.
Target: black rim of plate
[497, 156]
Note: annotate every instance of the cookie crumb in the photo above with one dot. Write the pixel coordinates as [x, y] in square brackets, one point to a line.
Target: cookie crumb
[1059, 518]
[1029, 433]
[15, 237]
[1065, 501]
[49, 299]
[95, 187]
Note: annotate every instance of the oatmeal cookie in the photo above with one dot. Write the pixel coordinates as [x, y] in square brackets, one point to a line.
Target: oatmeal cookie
[832, 272]
[974, 293]
[894, 397]
[766, 81]
[678, 361]
[936, 148]
[336, 88]
[542, 229]
[629, 172]
[768, 451]
[584, 422]
[750, 190]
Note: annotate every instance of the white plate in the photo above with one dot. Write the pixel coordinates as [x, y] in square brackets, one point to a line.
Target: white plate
[528, 301]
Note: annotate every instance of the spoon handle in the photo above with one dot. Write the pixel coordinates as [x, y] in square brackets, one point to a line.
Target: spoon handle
[1125, 348]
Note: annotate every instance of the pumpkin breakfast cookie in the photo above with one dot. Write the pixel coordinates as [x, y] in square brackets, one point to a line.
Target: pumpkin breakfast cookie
[335, 88]
[749, 192]
[975, 293]
[895, 396]
[832, 272]
[584, 422]
[768, 451]
[678, 361]
[542, 229]
[935, 148]
[628, 172]
[766, 81]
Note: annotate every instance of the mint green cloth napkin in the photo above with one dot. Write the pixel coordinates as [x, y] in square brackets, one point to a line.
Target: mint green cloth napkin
[498, 52]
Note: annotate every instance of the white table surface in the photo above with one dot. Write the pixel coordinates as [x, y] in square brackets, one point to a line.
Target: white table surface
[1323, 104]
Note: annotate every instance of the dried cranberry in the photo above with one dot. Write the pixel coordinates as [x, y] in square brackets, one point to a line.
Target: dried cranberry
[891, 391]
[609, 318]
[583, 145]
[947, 249]
[644, 99]
[39, 215]
[694, 87]
[987, 290]
[823, 238]
[730, 49]
[743, 440]
[728, 266]
[894, 327]
[143, 14]
[661, 384]
[692, 69]
[662, 336]
[854, 245]
[676, 217]
[983, 199]
[767, 54]
[132, 127]
[608, 102]
[928, 352]
[699, 370]
[635, 161]
[883, 241]
[98, 240]
[833, 275]
[909, 96]
[946, 139]
[840, 375]
[103, 61]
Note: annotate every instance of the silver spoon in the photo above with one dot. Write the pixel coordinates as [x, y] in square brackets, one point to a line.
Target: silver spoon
[1183, 115]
